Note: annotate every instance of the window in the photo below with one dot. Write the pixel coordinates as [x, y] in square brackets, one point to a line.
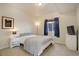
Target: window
[50, 26]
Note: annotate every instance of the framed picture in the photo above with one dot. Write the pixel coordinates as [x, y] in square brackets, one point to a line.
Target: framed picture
[7, 22]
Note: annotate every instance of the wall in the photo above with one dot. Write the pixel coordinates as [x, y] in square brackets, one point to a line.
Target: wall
[65, 19]
[23, 23]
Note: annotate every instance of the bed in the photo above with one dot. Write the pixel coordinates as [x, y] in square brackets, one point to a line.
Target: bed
[35, 44]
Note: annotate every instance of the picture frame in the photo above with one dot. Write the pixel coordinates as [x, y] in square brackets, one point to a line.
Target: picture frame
[7, 22]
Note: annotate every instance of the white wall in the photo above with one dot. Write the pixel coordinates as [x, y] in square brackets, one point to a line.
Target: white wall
[22, 22]
[25, 23]
[65, 19]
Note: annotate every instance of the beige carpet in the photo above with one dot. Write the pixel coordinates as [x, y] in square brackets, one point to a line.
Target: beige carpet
[52, 50]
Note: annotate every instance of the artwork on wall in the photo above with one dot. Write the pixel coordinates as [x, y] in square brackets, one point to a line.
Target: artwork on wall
[7, 22]
[71, 30]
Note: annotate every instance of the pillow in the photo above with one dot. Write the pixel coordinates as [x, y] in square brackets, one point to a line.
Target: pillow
[25, 34]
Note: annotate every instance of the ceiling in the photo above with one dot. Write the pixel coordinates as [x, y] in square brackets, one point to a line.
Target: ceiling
[61, 7]
[46, 8]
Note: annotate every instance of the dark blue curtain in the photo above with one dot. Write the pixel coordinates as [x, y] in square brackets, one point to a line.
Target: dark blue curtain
[56, 27]
[45, 27]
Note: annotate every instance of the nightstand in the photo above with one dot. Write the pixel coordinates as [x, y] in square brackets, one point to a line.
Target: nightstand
[14, 41]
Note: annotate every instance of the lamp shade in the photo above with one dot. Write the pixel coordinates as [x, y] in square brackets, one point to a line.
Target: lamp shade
[14, 31]
[37, 23]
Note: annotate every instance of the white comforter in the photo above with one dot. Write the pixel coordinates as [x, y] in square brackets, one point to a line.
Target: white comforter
[36, 44]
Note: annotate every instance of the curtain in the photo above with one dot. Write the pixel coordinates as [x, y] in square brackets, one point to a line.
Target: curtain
[45, 27]
[56, 27]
